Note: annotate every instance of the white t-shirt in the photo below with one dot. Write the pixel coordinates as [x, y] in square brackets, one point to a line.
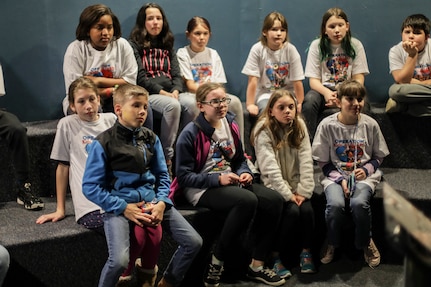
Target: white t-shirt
[116, 61]
[201, 67]
[338, 67]
[275, 69]
[338, 143]
[70, 141]
[397, 59]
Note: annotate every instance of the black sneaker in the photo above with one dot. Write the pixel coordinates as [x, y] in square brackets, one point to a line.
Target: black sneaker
[27, 198]
[265, 275]
[213, 274]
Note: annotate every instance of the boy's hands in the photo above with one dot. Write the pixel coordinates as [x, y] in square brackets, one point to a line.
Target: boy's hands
[133, 212]
[152, 216]
[411, 48]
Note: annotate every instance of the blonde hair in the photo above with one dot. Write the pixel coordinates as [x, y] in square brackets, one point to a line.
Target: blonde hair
[206, 88]
[127, 91]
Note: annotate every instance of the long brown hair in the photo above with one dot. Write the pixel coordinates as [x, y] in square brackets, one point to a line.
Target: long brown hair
[292, 135]
[140, 35]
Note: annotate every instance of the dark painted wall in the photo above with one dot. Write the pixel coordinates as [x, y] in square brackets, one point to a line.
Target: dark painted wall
[35, 34]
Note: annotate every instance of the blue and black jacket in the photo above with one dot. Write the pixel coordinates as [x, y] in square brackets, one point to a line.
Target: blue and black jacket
[125, 166]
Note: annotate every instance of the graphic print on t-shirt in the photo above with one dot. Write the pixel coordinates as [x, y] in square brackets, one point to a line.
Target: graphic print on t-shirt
[201, 72]
[338, 66]
[86, 140]
[422, 72]
[106, 71]
[345, 150]
[218, 155]
[277, 74]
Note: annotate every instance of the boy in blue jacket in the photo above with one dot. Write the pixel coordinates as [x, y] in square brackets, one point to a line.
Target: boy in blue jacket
[126, 175]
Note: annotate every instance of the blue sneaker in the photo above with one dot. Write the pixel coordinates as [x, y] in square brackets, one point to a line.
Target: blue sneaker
[280, 270]
[306, 263]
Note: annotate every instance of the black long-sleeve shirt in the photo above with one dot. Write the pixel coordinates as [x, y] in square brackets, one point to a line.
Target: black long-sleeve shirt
[158, 69]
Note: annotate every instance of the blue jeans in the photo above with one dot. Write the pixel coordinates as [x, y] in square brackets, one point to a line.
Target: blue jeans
[359, 205]
[118, 241]
[173, 112]
[4, 263]
[189, 244]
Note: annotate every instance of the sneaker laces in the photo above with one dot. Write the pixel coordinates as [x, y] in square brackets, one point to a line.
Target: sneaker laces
[371, 250]
[27, 187]
[29, 193]
[271, 273]
[214, 272]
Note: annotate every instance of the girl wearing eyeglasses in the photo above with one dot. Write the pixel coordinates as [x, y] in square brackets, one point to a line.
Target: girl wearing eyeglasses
[213, 173]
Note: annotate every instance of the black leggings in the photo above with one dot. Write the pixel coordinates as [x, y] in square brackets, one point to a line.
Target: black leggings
[15, 134]
[240, 206]
[297, 225]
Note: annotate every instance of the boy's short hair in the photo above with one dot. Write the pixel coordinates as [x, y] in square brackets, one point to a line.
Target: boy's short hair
[351, 88]
[127, 91]
[80, 83]
[417, 22]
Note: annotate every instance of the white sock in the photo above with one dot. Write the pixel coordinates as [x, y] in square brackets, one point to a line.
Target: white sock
[215, 261]
[255, 269]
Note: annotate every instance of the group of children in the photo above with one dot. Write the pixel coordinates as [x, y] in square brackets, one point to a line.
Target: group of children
[119, 171]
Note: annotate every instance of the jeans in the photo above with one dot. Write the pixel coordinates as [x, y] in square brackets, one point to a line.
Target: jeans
[189, 244]
[173, 112]
[359, 206]
[118, 242]
[4, 263]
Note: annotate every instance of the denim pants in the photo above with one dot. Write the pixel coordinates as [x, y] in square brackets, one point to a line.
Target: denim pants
[189, 243]
[358, 205]
[118, 241]
[4, 263]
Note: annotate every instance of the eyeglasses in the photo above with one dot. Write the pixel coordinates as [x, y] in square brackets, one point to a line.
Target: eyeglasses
[215, 103]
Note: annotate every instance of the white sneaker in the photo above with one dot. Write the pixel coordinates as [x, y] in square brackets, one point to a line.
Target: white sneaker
[392, 106]
[372, 254]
